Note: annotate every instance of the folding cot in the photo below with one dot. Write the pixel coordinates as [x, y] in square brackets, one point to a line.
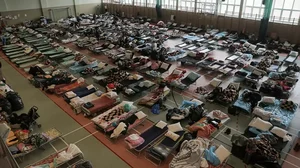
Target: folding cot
[80, 91]
[140, 142]
[292, 57]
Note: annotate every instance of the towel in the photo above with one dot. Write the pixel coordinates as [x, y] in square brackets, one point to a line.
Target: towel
[118, 130]
[4, 131]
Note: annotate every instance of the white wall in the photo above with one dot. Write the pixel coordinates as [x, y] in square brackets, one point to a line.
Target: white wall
[2, 6]
[56, 3]
[82, 2]
[13, 5]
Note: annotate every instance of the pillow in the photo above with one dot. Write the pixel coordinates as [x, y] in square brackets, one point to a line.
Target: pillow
[193, 76]
[177, 72]
[148, 84]
[98, 93]
[90, 87]
[140, 115]
[164, 66]
[279, 132]
[161, 124]
[172, 135]
[215, 82]
[268, 100]
[222, 153]
[265, 115]
[112, 95]
[260, 124]
[175, 127]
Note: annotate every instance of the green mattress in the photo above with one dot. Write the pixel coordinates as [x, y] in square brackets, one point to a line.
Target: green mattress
[14, 53]
[17, 56]
[14, 50]
[52, 52]
[21, 58]
[25, 61]
[28, 64]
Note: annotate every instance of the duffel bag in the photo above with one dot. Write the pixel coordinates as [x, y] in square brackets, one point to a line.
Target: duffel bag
[15, 101]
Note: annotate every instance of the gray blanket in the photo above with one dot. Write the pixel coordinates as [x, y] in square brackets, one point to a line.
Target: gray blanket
[190, 155]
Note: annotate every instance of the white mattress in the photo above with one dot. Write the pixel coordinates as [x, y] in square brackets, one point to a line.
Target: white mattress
[210, 114]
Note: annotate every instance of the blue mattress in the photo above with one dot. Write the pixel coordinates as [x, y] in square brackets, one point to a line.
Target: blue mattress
[80, 92]
[77, 68]
[242, 105]
[192, 38]
[284, 115]
[176, 57]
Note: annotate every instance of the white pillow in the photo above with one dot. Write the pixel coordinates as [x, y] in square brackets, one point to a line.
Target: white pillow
[112, 95]
[140, 115]
[279, 132]
[90, 87]
[215, 82]
[161, 124]
[175, 127]
[222, 153]
[269, 100]
[260, 124]
[164, 66]
[172, 135]
[265, 115]
[148, 83]
[177, 72]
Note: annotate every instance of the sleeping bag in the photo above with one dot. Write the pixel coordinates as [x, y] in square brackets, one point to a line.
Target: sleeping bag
[15, 100]
[5, 105]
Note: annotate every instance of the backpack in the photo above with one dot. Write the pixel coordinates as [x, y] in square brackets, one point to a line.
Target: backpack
[196, 113]
[15, 100]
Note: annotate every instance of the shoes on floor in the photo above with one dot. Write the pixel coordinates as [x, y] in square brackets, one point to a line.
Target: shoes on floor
[297, 147]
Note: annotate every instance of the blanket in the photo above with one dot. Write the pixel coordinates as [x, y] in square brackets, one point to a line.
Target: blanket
[190, 154]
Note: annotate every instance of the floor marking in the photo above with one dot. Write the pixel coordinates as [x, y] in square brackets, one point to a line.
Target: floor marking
[291, 155]
[219, 133]
[289, 163]
[136, 130]
[53, 147]
[85, 137]
[224, 136]
[140, 109]
[77, 129]
[62, 139]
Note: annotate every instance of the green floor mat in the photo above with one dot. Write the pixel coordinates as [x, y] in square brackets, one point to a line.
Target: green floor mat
[51, 52]
[45, 49]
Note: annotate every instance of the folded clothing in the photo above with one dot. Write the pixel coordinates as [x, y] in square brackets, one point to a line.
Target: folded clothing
[88, 105]
[70, 94]
[134, 140]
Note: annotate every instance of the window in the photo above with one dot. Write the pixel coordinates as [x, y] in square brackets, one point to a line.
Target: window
[186, 5]
[151, 3]
[253, 9]
[206, 6]
[230, 8]
[169, 4]
[126, 2]
[286, 11]
[139, 2]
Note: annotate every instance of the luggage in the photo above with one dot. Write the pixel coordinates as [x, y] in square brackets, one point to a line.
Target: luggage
[5, 105]
[15, 100]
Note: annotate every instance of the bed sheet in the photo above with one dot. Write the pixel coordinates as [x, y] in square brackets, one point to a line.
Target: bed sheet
[242, 105]
[99, 120]
[280, 117]
[153, 97]
[101, 104]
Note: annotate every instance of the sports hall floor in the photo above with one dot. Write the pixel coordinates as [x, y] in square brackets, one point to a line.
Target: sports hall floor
[104, 153]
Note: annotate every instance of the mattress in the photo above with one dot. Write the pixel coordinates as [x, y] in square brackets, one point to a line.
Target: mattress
[242, 105]
[99, 120]
[101, 103]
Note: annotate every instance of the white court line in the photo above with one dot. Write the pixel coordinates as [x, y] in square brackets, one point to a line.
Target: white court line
[290, 163]
[85, 137]
[77, 129]
[62, 139]
[53, 147]
[219, 133]
[136, 130]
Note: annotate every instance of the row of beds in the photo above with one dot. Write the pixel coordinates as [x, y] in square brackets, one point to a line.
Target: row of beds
[111, 116]
[79, 89]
